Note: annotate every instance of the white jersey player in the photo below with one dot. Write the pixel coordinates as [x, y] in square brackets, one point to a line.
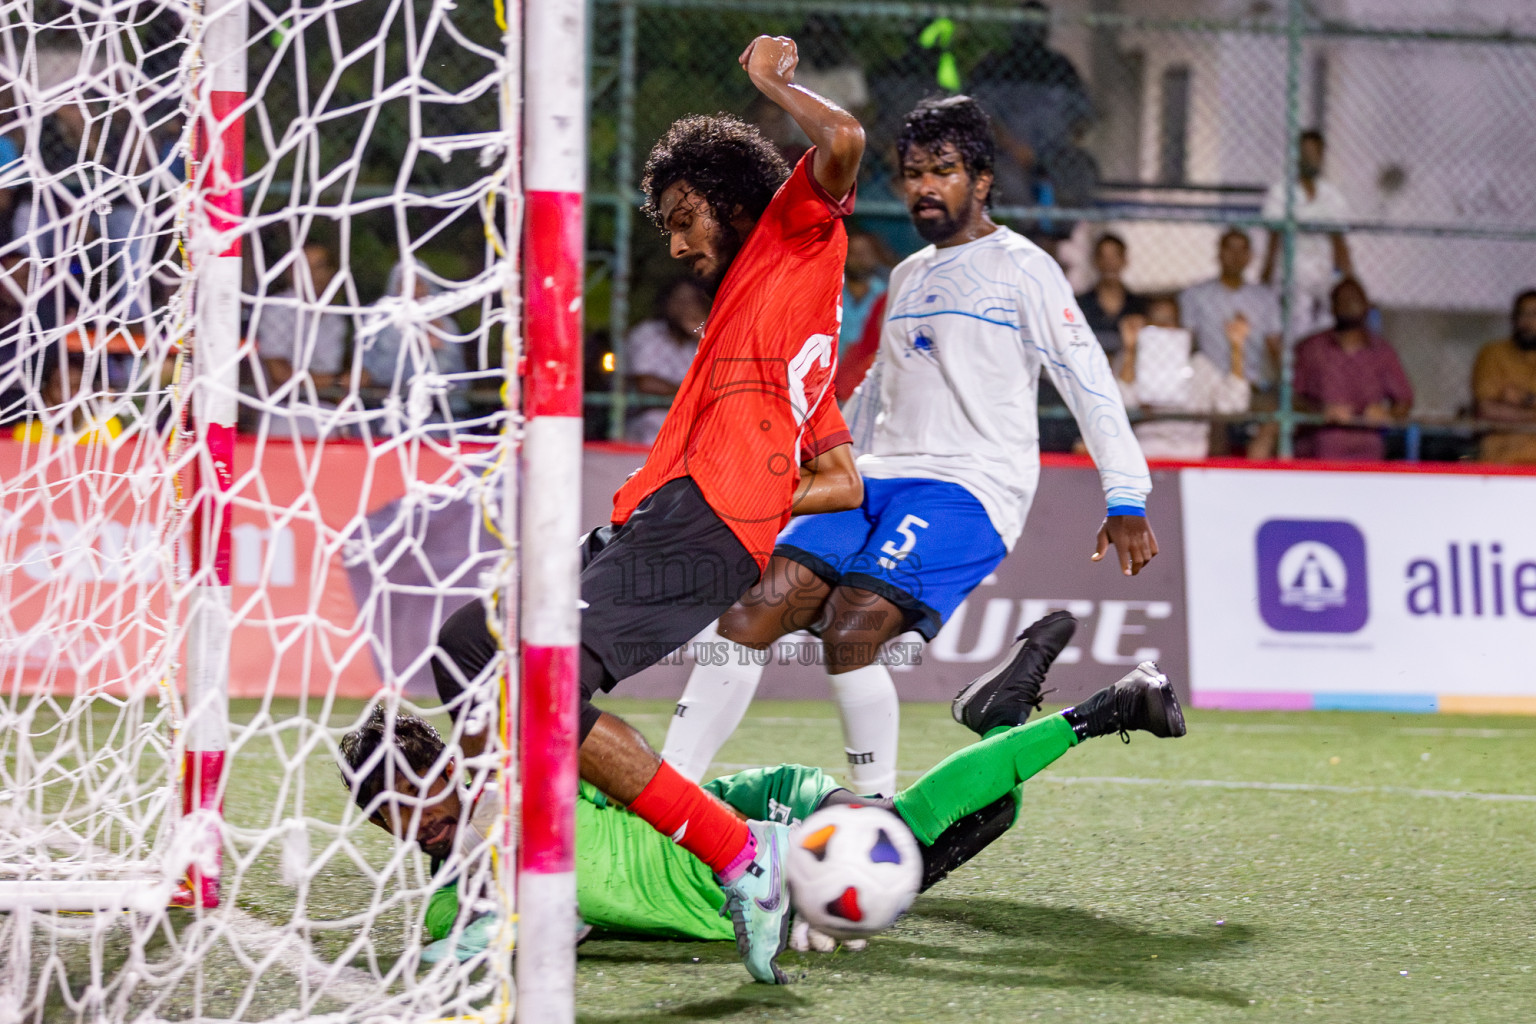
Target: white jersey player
[947, 424]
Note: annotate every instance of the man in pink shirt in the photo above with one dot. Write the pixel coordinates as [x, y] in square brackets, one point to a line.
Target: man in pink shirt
[1351, 376]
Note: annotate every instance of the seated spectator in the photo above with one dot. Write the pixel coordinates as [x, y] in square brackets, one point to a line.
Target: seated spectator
[63, 390]
[399, 344]
[864, 281]
[1349, 374]
[295, 333]
[1163, 372]
[1504, 385]
[1109, 302]
[1210, 307]
[661, 350]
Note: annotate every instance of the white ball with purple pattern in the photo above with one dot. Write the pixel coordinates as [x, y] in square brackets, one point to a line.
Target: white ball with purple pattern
[853, 870]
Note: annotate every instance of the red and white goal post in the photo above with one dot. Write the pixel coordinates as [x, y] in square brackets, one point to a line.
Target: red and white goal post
[192, 616]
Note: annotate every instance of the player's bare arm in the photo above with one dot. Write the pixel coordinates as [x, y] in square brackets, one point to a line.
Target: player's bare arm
[770, 62]
[829, 483]
[1133, 539]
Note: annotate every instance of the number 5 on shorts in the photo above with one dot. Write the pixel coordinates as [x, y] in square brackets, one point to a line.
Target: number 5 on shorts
[908, 540]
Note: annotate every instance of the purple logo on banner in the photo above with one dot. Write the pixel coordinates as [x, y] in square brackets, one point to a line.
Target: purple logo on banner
[1312, 576]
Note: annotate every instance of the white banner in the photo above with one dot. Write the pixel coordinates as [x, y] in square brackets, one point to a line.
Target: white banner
[1406, 591]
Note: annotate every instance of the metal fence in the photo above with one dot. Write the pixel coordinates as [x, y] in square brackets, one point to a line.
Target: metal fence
[1164, 130]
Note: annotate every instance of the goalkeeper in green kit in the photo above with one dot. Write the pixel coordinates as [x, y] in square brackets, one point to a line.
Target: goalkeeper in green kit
[631, 878]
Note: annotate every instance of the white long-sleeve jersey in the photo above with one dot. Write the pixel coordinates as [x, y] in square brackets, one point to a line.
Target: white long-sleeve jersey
[955, 386]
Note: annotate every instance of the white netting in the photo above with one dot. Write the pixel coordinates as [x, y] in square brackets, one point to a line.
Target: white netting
[375, 306]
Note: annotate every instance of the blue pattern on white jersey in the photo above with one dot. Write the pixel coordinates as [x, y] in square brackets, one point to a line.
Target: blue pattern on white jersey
[967, 332]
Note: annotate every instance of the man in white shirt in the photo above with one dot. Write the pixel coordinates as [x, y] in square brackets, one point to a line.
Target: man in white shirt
[295, 334]
[1322, 258]
[949, 471]
[659, 352]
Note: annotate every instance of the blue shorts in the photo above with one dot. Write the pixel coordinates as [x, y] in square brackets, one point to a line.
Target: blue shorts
[923, 545]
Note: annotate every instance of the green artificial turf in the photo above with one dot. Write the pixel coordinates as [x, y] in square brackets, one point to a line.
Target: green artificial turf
[1267, 867]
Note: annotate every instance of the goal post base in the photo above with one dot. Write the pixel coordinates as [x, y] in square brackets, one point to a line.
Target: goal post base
[145, 895]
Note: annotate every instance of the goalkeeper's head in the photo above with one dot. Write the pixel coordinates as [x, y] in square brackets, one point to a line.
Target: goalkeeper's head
[706, 183]
[399, 772]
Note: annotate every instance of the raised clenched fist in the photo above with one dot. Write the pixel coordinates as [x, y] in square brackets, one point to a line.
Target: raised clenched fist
[770, 60]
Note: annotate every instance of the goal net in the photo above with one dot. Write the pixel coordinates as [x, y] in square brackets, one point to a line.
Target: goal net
[257, 293]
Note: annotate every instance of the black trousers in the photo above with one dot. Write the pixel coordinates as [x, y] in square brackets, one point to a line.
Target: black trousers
[650, 586]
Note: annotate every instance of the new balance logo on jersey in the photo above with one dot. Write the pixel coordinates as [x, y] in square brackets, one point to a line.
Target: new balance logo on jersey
[680, 711]
[861, 757]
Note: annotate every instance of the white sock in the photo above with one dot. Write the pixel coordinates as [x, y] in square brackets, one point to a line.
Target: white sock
[713, 702]
[866, 703]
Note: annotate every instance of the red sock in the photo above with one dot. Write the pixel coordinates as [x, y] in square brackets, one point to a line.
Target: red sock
[704, 827]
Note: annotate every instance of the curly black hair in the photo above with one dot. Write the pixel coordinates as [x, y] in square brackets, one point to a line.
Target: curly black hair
[367, 773]
[724, 159]
[954, 119]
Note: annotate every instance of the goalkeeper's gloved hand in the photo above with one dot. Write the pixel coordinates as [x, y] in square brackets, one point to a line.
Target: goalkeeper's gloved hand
[476, 936]
[805, 939]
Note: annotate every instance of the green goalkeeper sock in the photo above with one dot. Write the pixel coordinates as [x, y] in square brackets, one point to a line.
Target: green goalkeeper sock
[972, 778]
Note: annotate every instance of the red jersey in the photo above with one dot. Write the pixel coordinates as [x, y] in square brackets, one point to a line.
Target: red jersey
[759, 399]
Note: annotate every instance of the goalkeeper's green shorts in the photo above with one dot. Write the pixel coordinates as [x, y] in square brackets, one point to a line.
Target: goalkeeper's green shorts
[631, 878]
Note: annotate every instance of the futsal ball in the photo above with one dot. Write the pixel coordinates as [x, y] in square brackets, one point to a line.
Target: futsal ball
[853, 870]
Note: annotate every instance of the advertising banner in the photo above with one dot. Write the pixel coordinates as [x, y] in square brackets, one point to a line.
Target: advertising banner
[1123, 620]
[299, 523]
[1371, 590]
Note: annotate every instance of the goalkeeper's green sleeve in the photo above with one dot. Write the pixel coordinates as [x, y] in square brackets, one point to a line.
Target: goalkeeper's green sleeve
[974, 777]
[442, 910]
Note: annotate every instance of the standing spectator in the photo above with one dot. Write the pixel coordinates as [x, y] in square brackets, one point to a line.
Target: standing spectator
[90, 162]
[11, 172]
[1211, 307]
[1350, 374]
[864, 274]
[1321, 257]
[1109, 302]
[661, 350]
[828, 67]
[15, 276]
[1040, 109]
[1504, 385]
[399, 345]
[1164, 372]
[295, 334]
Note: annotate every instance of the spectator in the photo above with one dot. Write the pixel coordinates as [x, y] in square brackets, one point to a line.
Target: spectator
[63, 391]
[1504, 385]
[295, 333]
[82, 154]
[864, 281]
[1039, 110]
[828, 67]
[1164, 372]
[661, 350]
[1320, 258]
[400, 345]
[14, 287]
[1349, 374]
[11, 171]
[1209, 309]
[1109, 302]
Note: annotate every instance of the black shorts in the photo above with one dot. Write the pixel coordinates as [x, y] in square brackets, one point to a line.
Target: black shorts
[650, 585]
[653, 583]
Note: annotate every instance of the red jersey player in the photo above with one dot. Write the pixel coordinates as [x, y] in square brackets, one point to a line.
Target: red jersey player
[753, 436]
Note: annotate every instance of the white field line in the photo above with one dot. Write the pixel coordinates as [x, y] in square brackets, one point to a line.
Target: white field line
[1237, 727]
[1272, 787]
